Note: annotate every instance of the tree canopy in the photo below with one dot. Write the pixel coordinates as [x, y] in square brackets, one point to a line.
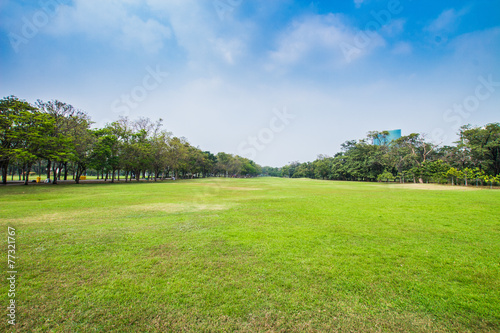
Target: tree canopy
[60, 136]
[476, 157]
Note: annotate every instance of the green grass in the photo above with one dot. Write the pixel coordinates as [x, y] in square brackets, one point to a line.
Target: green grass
[251, 255]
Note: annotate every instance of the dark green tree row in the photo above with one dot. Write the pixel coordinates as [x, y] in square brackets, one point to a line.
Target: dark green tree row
[474, 159]
[60, 137]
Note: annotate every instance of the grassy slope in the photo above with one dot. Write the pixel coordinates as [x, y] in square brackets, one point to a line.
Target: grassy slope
[253, 255]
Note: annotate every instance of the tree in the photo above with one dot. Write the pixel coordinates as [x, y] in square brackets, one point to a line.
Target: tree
[478, 175]
[289, 170]
[34, 139]
[209, 163]
[386, 175]
[223, 163]
[160, 150]
[322, 167]
[454, 174]
[305, 170]
[379, 137]
[413, 150]
[68, 121]
[433, 171]
[104, 157]
[83, 141]
[13, 114]
[483, 143]
[271, 171]
[491, 179]
[177, 154]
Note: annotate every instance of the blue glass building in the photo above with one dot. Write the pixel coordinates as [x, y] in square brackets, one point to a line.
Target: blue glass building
[393, 135]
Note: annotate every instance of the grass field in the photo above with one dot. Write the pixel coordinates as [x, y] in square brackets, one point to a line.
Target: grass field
[251, 255]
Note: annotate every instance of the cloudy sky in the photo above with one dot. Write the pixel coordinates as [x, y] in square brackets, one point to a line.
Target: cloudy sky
[276, 81]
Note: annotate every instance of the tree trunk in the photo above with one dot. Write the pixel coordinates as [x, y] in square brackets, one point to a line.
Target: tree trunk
[66, 171]
[49, 165]
[5, 166]
[113, 176]
[54, 174]
[59, 171]
[28, 169]
[40, 168]
[79, 171]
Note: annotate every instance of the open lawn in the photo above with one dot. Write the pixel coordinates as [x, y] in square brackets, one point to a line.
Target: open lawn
[248, 255]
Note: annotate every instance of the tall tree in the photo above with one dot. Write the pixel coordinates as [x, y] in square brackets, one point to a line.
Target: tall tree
[34, 139]
[484, 146]
[13, 113]
[66, 118]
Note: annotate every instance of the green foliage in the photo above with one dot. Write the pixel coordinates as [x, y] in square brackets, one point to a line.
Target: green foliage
[23, 134]
[385, 176]
[483, 146]
[60, 134]
[271, 172]
[410, 157]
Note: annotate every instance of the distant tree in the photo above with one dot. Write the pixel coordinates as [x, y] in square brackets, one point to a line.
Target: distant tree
[83, 141]
[34, 139]
[104, 157]
[483, 143]
[13, 114]
[322, 167]
[305, 170]
[381, 137]
[455, 174]
[67, 118]
[271, 171]
[385, 176]
[177, 154]
[209, 164]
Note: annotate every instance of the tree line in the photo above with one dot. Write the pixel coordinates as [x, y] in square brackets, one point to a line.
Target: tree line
[59, 137]
[474, 158]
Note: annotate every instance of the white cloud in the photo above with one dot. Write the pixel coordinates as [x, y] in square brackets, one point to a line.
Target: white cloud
[481, 47]
[111, 21]
[199, 31]
[323, 34]
[402, 48]
[150, 34]
[358, 3]
[228, 49]
[394, 28]
[446, 22]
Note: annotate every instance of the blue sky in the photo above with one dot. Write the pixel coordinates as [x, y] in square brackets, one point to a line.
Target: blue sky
[276, 81]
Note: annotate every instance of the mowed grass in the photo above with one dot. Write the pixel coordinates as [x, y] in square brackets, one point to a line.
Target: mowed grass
[248, 255]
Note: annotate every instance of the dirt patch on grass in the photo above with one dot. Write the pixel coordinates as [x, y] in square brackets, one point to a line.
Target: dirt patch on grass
[51, 217]
[177, 208]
